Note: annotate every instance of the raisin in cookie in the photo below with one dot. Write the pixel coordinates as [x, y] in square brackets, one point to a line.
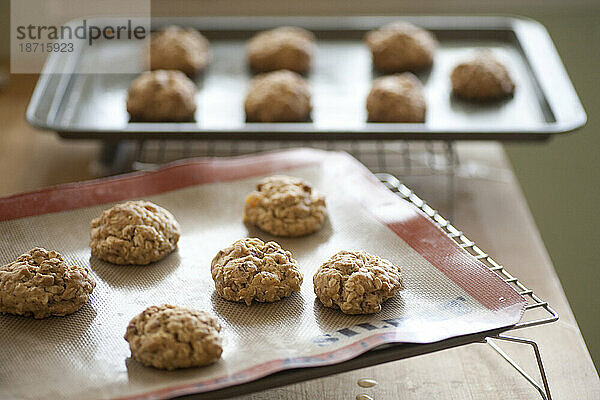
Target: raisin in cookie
[162, 96]
[396, 98]
[180, 49]
[136, 232]
[401, 46]
[171, 337]
[41, 284]
[356, 282]
[251, 269]
[482, 78]
[286, 47]
[280, 96]
[285, 206]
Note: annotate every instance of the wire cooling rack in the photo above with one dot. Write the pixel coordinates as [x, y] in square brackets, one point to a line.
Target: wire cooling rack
[537, 311]
[422, 165]
[395, 157]
[419, 164]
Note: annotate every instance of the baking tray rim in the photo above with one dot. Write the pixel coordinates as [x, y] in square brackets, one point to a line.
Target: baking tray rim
[379, 355]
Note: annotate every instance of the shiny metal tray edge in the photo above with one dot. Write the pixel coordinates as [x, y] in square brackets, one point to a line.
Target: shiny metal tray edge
[555, 88]
[371, 358]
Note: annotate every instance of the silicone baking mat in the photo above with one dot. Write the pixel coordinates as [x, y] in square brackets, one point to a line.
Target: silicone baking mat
[447, 292]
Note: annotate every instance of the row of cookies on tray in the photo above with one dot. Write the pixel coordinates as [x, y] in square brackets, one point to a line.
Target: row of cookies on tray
[40, 283]
[281, 94]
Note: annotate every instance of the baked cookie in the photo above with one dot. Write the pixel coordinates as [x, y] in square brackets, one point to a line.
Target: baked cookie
[41, 284]
[171, 337]
[482, 78]
[162, 96]
[396, 98]
[401, 46]
[287, 47]
[251, 269]
[285, 206]
[356, 282]
[181, 49]
[135, 232]
[280, 96]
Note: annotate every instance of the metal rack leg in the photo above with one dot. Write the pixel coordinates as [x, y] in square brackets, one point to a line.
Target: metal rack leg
[451, 153]
[544, 391]
[115, 158]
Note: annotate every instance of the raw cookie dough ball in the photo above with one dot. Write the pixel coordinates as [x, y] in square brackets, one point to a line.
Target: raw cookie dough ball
[285, 206]
[482, 78]
[41, 284]
[280, 96]
[180, 49]
[251, 269]
[356, 282]
[401, 46]
[286, 47]
[171, 337]
[162, 96]
[135, 232]
[396, 98]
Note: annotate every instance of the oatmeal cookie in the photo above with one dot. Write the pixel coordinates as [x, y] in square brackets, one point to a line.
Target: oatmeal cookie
[171, 337]
[135, 232]
[356, 282]
[287, 47]
[41, 284]
[482, 78]
[180, 49]
[251, 269]
[280, 96]
[401, 46]
[285, 206]
[396, 98]
[162, 96]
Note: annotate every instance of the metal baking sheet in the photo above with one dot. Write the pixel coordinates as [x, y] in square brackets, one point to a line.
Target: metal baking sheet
[545, 102]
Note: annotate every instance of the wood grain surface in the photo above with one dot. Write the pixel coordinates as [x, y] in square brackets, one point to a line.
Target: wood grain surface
[490, 208]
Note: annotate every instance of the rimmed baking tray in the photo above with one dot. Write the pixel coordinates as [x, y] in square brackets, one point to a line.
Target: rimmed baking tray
[453, 293]
[545, 102]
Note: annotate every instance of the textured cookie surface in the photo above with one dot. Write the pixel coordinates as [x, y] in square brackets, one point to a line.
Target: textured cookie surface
[401, 46]
[356, 282]
[161, 96]
[285, 206]
[482, 78]
[135, 232]
[41, 284]
[286, 47]
[280, 96]
[251, 269]
[180, 49]
[171, 337]
[396, 98]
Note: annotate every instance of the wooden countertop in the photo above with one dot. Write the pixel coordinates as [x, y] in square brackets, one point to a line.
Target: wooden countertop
[490, 209]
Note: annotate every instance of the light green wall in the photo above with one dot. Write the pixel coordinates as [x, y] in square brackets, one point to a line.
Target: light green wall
[4, 28]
